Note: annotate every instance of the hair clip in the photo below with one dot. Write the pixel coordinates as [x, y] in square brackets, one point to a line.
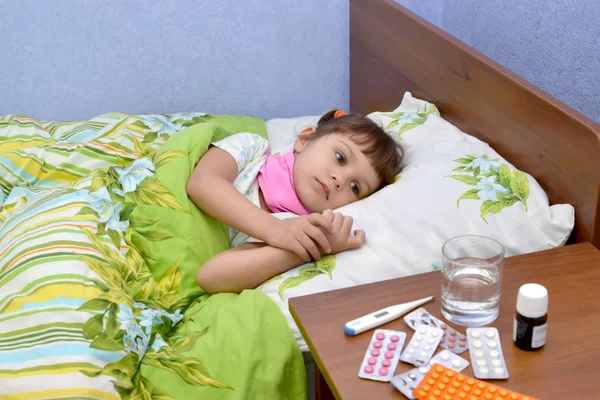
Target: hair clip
[339, 113]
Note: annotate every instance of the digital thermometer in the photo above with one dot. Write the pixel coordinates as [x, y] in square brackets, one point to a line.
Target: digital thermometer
[382, 316]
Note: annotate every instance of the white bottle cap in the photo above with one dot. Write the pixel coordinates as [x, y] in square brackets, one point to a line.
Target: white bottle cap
[532, 301]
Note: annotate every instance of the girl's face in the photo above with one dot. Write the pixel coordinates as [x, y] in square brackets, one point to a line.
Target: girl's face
[331, 171]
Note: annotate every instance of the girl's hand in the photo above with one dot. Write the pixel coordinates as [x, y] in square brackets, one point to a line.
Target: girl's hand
[340, 238]
[303, 235]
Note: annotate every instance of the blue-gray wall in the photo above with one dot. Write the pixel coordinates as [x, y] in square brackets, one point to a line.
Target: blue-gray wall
[69, 59]
[555, 44]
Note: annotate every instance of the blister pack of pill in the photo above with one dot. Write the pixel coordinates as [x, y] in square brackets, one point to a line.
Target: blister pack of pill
[452, 340]
[486, 353]
[408, 381]
[443, 383]
[422, 345]
[381, 358]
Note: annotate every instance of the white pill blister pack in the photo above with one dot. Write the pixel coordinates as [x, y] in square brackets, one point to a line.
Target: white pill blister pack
[486, 353]
[422, 345]
[451, 339]
[408, 381]
[381, 358]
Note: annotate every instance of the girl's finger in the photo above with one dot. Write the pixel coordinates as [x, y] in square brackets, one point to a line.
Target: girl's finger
[338, 219]
[301, 251]
[354, 242]
[322, 221]
[317, 236]
[347, 224]
[310, 246]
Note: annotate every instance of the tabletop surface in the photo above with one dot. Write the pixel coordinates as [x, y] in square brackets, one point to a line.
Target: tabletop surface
[567, 367]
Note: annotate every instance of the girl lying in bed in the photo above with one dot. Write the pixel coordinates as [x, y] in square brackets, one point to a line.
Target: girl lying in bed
[344, 159]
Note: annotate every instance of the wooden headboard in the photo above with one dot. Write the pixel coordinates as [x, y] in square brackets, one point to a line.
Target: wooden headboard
[392, 50]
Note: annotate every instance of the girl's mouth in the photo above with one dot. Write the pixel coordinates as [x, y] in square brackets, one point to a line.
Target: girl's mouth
[325, 189]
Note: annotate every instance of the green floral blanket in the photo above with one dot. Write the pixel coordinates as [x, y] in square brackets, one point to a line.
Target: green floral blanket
[99, 246]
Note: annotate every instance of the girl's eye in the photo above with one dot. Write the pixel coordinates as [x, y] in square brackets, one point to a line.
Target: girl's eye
[340, 157]
[354, 187]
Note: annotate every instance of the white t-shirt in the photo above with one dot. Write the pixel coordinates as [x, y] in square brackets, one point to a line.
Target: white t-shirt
[250, 153]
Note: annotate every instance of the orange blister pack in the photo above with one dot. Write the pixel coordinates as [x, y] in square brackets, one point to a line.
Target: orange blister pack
[442, 383]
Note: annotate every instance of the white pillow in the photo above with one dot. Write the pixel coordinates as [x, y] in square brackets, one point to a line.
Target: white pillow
[282, 132]
[452, 184]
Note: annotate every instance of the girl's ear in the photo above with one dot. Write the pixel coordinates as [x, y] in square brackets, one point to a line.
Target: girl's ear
[303, 139]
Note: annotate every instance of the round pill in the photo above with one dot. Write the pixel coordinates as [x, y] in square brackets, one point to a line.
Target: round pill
[492, 389]
[436, 392]
[411, 350]
[431, 381]
[490, 333]
[496, 363]
[483, 371]
[502, 392]
[481, 385]
[412, 377]
[442, 340]
[456, 363]
[372, 361]
[514, 396]
[389, 354]
[481, 362]
[423, 354]
[435, 334]
[445, 380]
[423, 370]
[422, 393]
[431, 341]
[377, 345]
[462, 395]
[415, 344]
[368, 369]
[386, 363]
[451, 345]
[445, 356]
[380, 336]
[422, 329]
[460, 378]
[418, 337]
[494, 354]
[499, 371]
[444, 326]
[383, 371]
[451, 390]
[441, 386]
[452, 333]
[475, 334]
[477, 344]
[391, 346]
[477, 392]
[478, 353]
[488, 396]
[375, 353]
[456, 384]
[427, 347]
[470, 381]
[395, 338]
[492, 345]
[451, 339]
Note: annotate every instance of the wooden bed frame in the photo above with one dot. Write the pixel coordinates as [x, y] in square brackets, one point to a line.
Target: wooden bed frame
[392, 51]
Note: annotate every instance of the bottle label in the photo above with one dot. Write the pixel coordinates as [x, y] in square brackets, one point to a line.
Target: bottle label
[538, 338]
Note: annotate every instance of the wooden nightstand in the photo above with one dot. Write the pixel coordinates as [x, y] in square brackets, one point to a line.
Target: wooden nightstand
[566, 368]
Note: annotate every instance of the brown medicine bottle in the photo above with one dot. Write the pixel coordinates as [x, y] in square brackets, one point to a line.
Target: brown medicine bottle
[531, 318]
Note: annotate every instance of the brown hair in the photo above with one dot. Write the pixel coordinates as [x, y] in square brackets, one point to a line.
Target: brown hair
[383, 151]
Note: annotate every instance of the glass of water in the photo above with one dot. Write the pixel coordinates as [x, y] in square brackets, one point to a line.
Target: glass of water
[472, 280]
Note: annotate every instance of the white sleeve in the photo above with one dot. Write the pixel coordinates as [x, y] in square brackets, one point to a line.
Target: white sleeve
[244, 148]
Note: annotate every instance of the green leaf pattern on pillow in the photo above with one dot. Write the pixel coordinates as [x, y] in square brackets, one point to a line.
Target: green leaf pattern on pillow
[405, 121]
[495, 184]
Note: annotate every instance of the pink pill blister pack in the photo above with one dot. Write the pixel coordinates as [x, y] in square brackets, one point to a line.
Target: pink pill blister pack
[422, 345]
[381, 358]
[452, 340]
